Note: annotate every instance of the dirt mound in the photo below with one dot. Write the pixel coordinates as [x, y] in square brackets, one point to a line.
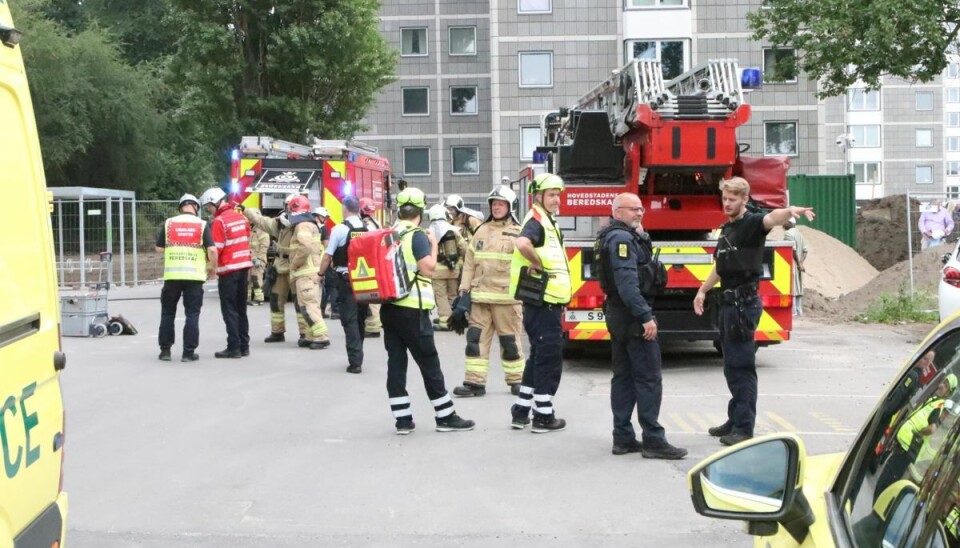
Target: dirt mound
[832, 267]
[882, 230]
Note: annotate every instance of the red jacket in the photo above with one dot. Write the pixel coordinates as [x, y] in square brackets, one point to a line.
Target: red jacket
[231, 236]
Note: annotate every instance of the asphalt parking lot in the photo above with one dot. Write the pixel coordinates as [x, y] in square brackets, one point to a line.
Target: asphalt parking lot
[284, 448]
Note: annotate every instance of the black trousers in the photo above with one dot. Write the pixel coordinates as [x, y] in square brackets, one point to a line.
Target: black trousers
[192, 292]
[545, 362]
[739, 361]
[351, 318]
[330, 292]
[233, 307]
[637, 379]
[410, 330]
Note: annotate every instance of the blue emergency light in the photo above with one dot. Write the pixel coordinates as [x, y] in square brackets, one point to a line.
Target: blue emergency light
[752, 78]
[235, 155]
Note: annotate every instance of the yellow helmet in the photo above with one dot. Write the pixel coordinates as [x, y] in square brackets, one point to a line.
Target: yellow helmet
[412, 196]
[545, 181]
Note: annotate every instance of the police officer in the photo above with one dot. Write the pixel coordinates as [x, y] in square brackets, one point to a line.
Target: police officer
[306, 249]
[451, 248]
[540, 250]
[628, 275]
[739, 261]
[407, 327]
[467, 219]
[328, 282]
[187, 246]
[259, 242]
[368, 214]
[486, 277]
[352, 314]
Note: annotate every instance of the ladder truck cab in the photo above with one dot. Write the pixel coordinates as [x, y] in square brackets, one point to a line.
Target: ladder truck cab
[671, 143]
[265, 170]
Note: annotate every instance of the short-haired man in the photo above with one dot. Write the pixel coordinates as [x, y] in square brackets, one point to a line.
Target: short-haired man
[739, 262]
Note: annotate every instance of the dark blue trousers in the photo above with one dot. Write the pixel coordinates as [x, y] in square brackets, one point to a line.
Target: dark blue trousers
[545, 361]
[233, 306]
[192, 292]
[637, 380]
[737, 331]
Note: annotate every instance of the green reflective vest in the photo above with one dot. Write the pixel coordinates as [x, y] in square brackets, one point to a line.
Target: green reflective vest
[184, 257]
[917, 421]
[421, 293]
[552, 256]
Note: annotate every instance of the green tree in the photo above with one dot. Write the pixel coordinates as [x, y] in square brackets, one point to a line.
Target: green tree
[840, 43]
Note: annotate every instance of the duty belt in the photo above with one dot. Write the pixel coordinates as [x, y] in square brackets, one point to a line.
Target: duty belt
[742, 292]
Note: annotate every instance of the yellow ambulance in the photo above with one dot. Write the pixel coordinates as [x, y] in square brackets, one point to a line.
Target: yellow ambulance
[33, 506]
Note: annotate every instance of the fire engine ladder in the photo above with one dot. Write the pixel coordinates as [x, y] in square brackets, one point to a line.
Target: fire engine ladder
[268, 147]
[710, 90]
[339, 149]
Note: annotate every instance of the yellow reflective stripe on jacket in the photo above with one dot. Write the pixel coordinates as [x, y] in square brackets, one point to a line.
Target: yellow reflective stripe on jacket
[490, 255]
[917, 421]
[486, 296]
[421, 293]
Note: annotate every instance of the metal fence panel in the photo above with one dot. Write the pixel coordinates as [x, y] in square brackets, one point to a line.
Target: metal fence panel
[833, 198]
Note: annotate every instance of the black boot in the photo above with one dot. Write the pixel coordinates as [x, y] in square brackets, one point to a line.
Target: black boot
[164, 354]
[274, 337]
[469, 389]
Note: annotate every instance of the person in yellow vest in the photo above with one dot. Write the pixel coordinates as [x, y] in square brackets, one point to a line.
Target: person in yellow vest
[540, 252]
[486, 277]
[407, 326]
[451, 247]
[279, 228]
[306, 252]
[371, 324]
[468, 220]
[259, 242]
[187, 247]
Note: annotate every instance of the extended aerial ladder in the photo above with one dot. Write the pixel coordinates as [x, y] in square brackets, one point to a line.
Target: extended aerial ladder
[268, 147]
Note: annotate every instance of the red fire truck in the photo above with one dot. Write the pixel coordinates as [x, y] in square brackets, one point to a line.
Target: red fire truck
[671, 143]
[265, 170]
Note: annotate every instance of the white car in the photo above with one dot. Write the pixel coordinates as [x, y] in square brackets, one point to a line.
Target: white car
[949, 290]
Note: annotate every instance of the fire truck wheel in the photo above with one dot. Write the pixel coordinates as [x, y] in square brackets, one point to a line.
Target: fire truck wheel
[570, 351]
[718, 346]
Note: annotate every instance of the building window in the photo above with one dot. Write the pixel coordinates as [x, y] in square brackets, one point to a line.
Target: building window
[866, 173]
[536, 69]
[466, 160]
[953, 192]
[416, 101]
[463, 40]
[416, 160]
[772, 57]
[924, 100]
[953, 71]
[652, 3]
[534, 6]
[953, 169]
[865, 136]
[672, 54]
[953, 144]
[953, 119]
[953, 95]
[924, 138]
[780, 138]
[861, 99]
[463, 100]
[413, 42]
[529, 141]
[924, 175]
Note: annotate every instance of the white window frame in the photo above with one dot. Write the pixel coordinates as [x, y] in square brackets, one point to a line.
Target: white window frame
[403, 102]
[476, 97]
[864, 94]
[520, 55]
[953, 144]
[429, 161]
[916, 176]
[852, 170]
[953, 94]
[628, 50]
[765, 81]
[953, 192]
[922, 131]
[953, 119]
[521, 11]
[426, 42]
[453, 163]
[450, 40]
[539, 137]
[956, 171]
[796, 130]
[953, 70]
[860, 141]
[916, 100]
[657, 5]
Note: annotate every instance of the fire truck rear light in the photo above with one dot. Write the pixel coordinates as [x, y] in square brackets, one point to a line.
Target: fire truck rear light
[776, 301]
[951, 276]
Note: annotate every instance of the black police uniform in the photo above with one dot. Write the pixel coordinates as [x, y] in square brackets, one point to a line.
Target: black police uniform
[637, 381]
[352, 314]
[739, 260]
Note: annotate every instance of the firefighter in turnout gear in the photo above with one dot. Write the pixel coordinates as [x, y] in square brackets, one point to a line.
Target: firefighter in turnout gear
[463, 217]
[541, 254]
[486, 277]
[451, 248]
[306, 251]
[259, 243]
[279, 228]
[368, 214]
[630, 276]
[407, 326]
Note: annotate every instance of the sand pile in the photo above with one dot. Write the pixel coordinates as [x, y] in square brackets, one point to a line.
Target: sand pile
[882, 230]
[832, 267]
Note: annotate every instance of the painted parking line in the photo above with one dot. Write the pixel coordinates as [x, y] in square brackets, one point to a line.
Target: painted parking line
[767, 422]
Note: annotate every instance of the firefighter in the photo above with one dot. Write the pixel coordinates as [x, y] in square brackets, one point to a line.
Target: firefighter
[540, 251]
[739, 263]
[231, 240]
[407, 326]
[630, 276]
[279, 228]
[259, 243]
[352, 314]
[451, 248]
[486, 277]
[467, 219]
[187, 247]
[306, 250]
[368, 214]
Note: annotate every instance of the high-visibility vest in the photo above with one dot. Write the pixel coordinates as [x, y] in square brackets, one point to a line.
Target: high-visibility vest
[552, 256]
[421, 292]
[917, 421]
[231, 236]
[183, 255]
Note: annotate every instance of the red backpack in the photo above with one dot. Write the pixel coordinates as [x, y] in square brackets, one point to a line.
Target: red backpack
[377, 269]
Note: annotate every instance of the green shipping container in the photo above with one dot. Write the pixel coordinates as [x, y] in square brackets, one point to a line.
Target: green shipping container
[833, 199]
